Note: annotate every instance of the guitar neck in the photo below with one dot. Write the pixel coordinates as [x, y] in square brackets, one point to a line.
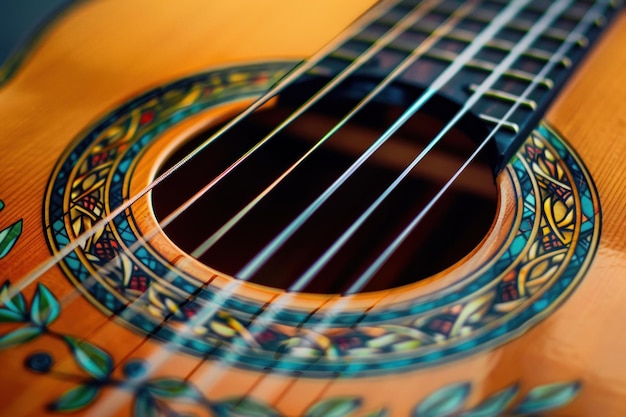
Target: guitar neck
[429, 36]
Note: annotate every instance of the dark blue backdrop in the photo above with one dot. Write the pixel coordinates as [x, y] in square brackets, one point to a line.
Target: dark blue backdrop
[20, 20]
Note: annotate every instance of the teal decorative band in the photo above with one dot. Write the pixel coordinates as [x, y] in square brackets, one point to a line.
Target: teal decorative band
[548, 249]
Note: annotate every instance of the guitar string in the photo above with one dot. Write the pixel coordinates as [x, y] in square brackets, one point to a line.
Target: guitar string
[79, 241]
[402, 25]
[471, 157]
[258, 325]
[572, 38]
[226, 292]
[189, 327]
[588, 20]
[170, 277]
[259, 260]
[392, 76]
[453, 69]
[591, 16]
[480, 93]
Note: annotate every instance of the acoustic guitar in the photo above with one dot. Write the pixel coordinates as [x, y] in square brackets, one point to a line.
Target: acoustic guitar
[425, 217]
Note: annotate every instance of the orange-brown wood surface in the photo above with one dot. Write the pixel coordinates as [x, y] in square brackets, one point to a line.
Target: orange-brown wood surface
[103, 52]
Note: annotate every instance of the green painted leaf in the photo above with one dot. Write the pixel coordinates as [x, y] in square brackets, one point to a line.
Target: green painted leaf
[494, 405]
[76, 398]
[548, 397]
[173, 388]
[9, 316]
[334, 407]
[15, 304]
[144, 406]
[244, 407]
[21, 335]
[90, 358]
[8, 237]
[45, 308]
[1, 205]
[443, 402]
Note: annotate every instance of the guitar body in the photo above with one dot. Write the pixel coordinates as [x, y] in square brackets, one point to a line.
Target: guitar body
[101, 55]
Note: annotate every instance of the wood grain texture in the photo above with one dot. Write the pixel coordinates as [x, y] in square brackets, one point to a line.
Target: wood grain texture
[105, 52]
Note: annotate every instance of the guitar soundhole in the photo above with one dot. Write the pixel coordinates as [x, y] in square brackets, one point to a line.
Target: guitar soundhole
[448, 232]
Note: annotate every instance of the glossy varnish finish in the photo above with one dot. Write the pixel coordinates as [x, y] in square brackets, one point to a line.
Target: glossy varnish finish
[102, 53]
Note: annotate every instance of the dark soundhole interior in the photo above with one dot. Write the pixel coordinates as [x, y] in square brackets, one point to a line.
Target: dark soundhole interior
[449, 231]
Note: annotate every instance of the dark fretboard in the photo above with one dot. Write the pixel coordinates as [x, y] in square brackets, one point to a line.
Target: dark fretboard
[571, 31]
